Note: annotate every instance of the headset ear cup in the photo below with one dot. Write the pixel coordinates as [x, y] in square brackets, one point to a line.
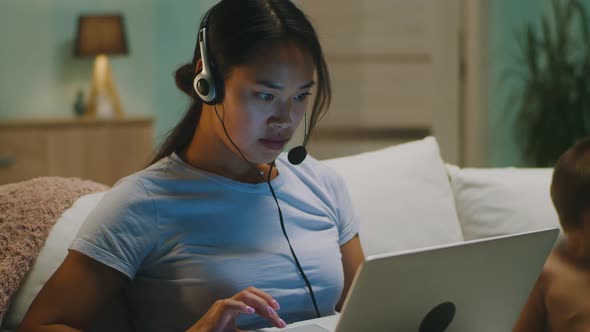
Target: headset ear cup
[205, 88]
[201, 89]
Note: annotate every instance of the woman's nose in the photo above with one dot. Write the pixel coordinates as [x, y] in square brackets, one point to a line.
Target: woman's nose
[281, 118]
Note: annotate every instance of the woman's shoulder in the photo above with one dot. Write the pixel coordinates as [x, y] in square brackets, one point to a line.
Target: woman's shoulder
[138, 190]
[144, 181]
[129, 193]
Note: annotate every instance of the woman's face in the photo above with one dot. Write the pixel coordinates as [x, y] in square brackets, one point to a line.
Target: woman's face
[265, 101]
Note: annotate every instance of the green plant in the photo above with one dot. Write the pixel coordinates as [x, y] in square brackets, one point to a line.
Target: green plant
[553, 102]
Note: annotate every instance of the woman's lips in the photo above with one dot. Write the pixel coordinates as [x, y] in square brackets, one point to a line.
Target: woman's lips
[273, 144]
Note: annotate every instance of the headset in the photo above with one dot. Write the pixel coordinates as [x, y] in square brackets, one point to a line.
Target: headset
[210, 92]
[204, 83]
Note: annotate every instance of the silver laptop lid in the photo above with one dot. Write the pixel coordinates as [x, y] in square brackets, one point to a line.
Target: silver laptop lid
[478, 285]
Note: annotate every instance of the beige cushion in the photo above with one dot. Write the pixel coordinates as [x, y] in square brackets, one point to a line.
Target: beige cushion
[499, 201]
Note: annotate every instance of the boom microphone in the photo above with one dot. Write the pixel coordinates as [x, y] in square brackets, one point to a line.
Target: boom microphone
[297, 154]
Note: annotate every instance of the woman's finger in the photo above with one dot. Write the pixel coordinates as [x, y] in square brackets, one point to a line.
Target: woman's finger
[235, 307]
[261, 305]
[269, 299]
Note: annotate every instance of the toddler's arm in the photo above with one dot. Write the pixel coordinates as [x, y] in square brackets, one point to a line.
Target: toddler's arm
[532, 317]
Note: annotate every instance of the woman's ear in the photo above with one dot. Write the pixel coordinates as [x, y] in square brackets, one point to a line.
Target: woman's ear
[199, 66]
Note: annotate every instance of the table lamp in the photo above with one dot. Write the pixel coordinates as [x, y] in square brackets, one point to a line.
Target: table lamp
[101, 36]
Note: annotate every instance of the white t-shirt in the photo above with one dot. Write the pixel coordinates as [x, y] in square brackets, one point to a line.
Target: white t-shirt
[186, 238]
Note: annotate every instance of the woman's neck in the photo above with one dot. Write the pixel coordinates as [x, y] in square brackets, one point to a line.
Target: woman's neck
[207, 152]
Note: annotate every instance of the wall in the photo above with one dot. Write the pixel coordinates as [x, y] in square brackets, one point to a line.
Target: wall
[507, 17]
[175, 31]
[40, 75]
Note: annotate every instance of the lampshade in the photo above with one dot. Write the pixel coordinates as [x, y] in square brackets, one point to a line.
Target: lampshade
[100, 34]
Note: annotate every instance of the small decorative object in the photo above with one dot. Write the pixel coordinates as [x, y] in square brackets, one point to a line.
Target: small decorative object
[102, 35]
[79, 105]
[553, 102]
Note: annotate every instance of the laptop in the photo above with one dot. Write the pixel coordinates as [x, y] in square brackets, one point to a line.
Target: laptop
[480, 285]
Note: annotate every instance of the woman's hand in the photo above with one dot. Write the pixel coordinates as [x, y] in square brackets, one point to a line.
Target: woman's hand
[221, 316]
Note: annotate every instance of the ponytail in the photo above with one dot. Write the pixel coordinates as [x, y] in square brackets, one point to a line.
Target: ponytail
[180, 136]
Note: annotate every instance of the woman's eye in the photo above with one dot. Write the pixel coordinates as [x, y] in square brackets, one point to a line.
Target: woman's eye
[302, 96]
[264, 96]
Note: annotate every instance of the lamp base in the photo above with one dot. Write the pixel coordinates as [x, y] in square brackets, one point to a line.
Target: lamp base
[103, 91]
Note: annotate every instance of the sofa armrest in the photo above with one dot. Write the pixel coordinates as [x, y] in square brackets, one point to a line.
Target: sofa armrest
[50, 258]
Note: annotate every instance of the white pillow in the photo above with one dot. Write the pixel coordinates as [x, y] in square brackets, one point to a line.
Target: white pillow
[499, 201]
[50, 257]
[403, 196]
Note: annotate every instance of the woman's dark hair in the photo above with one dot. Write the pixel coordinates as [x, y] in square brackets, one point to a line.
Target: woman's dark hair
[570, 186]
[236, 30]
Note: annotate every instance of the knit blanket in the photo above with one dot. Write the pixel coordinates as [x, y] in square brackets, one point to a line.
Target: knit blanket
[28, 210]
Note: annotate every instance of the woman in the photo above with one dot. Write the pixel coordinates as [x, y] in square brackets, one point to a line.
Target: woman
[221, 231]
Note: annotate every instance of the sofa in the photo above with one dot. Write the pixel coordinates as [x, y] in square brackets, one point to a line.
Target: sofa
[406, 196]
